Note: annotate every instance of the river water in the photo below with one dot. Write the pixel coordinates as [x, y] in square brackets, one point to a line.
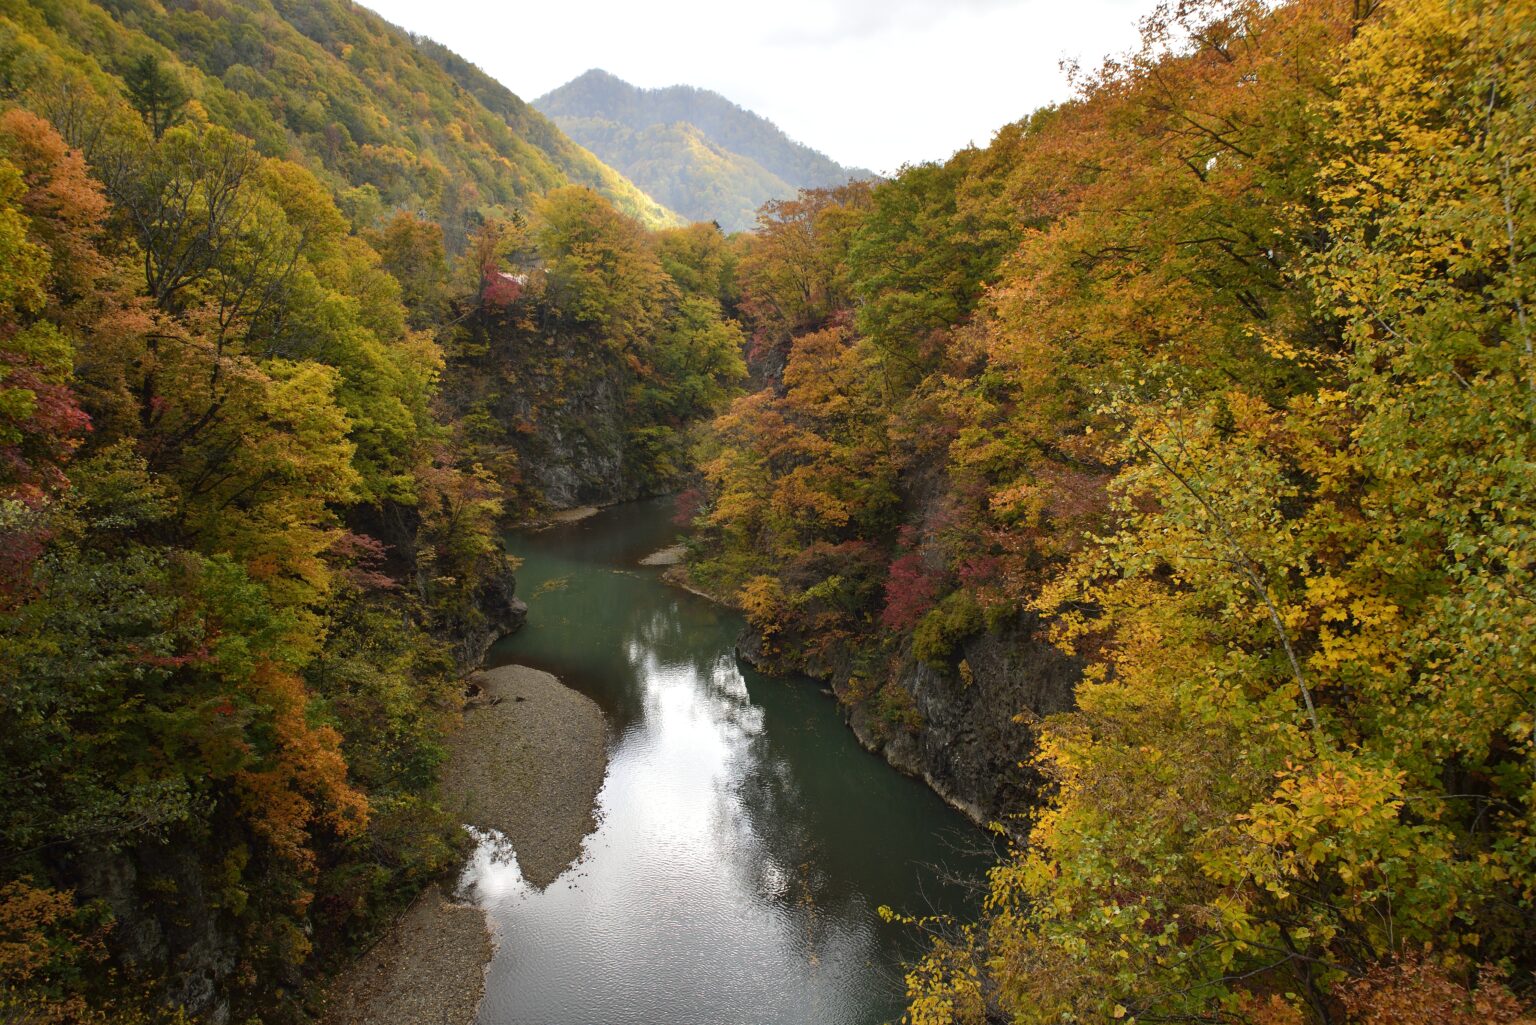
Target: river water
[745, 840]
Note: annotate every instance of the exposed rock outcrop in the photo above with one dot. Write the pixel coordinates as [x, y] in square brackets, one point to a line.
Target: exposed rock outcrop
[553, 406]
[501, 614]
[497, 611]
[574, 455]
[972, 737]
[191, 946]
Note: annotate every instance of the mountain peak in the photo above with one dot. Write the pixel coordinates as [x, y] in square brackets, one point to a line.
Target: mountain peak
[597, 75]
[690, 148]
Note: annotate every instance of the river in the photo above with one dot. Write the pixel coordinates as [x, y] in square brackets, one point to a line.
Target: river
[745, 840]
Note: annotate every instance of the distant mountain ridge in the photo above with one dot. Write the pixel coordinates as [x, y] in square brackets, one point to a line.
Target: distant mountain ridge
[691, 149]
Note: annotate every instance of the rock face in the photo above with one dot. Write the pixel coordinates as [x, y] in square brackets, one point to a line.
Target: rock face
[553, 408]
[574, 453]
[499, 612]
[191, 946]
[502, 614]
[974, 738]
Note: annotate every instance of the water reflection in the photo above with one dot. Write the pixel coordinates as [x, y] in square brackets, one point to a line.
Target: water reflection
[744, 839]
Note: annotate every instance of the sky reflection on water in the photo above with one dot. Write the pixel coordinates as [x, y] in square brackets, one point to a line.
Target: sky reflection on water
[744, 839]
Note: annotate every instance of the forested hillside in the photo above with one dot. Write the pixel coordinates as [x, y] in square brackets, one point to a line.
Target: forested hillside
[1158, 483]
[692, 149]
[706, 181]
[250, 504]
[386, 120]
[1174, 457]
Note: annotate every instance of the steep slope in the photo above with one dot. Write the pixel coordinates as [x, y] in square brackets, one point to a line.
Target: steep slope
[701, 180]
[1162, 448]
[398, 120]
[692, 149]
[251, 497]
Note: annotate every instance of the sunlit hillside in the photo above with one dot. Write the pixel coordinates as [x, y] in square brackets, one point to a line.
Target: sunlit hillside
[692, 149]
[400, 121]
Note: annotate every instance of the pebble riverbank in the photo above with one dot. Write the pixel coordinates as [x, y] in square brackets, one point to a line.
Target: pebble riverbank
[527, 762]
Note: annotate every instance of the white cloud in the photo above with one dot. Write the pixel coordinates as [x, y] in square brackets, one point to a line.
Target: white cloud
[857, 20]
[875, 83]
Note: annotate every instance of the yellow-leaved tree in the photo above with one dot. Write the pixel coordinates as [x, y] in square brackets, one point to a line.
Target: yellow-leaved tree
[1305, 747]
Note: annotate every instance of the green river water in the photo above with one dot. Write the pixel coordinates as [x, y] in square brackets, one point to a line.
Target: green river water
[745, 840]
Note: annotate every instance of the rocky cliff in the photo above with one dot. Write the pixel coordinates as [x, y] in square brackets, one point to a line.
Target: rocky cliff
[571, 432]
[495, 611]
[549, 410]
[192, 946]
[967, 730]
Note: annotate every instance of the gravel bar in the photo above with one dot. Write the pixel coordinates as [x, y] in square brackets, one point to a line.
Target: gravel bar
[669, 556]
[527, 762]
[429, 969]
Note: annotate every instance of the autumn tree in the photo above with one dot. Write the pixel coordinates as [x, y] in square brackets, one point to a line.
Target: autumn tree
[1301, 755]
[197, 379]
[791, 268]
[603, 273]
[412, 251]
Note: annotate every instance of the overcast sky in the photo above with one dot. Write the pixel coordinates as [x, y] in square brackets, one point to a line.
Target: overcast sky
[871, 83]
